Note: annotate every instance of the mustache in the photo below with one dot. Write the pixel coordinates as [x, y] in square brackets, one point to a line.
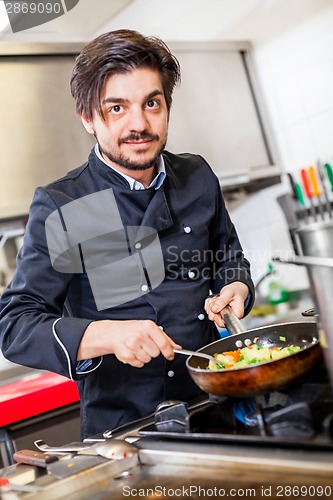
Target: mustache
[139, 137]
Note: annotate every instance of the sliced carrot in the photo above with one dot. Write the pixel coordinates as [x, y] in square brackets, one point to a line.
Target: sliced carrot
[237, 355]
[228, 366]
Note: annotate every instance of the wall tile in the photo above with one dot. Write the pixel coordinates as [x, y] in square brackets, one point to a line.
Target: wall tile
[290, 100]
[295, 72]
[322, 130]
[316, 84]
[302, 146]
[284, 149]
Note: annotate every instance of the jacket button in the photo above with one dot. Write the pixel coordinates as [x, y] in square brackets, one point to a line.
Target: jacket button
[201, 317]
[144, 288]
[187, 229]
[191, 275]
[171, 373]
[137, 246]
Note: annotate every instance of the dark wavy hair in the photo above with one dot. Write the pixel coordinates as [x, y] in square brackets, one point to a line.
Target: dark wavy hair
[118, 52]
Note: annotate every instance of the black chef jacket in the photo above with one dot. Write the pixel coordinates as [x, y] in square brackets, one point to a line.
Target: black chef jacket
[44, 312]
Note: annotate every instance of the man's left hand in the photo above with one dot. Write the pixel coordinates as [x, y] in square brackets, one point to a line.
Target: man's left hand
[232, 295]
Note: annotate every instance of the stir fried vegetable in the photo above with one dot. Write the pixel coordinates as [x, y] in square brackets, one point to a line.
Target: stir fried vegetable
[250, 355]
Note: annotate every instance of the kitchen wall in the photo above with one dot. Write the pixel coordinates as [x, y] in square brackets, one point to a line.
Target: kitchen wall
[295, 70]
[293, 56]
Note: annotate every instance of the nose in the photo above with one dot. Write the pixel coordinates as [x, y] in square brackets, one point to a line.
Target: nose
[137, 120]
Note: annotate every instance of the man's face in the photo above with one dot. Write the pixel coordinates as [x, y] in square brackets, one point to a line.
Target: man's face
[134, 130]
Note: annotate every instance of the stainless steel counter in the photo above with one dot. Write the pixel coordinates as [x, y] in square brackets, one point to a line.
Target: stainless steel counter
[164, 468]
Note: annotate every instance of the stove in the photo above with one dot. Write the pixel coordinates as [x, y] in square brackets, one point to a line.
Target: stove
[277, 445]
[298, 417]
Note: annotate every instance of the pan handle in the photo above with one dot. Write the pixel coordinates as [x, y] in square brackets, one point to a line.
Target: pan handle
[303, 260]
[231, 321]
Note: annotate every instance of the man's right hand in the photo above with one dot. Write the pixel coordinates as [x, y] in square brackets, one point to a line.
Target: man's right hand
[134, 342]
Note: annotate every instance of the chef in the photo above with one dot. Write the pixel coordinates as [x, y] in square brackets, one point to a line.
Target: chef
[120, 255]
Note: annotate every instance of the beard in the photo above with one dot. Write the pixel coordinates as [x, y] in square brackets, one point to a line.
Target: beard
[125, 162]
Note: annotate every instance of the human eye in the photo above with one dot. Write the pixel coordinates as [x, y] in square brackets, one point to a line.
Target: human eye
[116, 109]
[152, 104]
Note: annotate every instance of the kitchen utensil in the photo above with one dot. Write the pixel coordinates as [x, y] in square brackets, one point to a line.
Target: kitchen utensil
[311, 312]
[110, 448]
[6, 485]
[301, 201]
[323, 183]
[306, 260]
[316, 190]
[263, 377]
[59, 468]
[299, 194]
[33, 457]
[292, 185]
[62, 450]
[66, 467]
[308, 192]
[115, 449]
[186, 352]
[329, 171]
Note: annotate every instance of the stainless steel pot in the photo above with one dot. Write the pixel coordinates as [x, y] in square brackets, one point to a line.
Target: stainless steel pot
[321, 272]
[316, 239]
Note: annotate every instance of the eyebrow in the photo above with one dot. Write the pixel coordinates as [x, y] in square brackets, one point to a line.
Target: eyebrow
[120, 100]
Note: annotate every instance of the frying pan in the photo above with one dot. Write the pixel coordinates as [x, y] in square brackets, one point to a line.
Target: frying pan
[263, 377]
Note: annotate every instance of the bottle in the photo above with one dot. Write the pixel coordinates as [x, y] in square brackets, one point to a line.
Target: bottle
[277, 294]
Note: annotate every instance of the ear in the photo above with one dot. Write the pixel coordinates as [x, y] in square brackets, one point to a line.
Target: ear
[87, 124]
